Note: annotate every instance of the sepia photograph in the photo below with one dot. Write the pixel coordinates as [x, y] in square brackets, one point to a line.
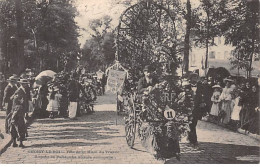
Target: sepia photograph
[129, 82]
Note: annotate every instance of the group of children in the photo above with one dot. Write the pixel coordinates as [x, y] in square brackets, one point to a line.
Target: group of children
[229, 104]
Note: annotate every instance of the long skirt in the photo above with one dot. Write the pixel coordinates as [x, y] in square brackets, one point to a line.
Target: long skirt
[235, 113]
[226, 106]
[73, 106]
[214, 109]
[254, 123]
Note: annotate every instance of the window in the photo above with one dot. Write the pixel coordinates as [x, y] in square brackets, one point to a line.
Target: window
[194, 60]
[219, 56]
[225, 54]
[212, 55]
[219, 40]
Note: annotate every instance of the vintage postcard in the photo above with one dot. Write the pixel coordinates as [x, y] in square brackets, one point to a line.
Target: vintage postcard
[129, 82]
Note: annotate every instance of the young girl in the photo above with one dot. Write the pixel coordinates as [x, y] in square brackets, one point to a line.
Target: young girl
[54, 97]
[236, 110]
[216, 100]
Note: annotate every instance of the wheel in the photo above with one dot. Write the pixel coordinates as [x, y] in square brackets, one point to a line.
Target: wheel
[130, 129]
[130, 126]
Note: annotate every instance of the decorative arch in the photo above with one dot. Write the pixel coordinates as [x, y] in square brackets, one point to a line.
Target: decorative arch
[146, 35]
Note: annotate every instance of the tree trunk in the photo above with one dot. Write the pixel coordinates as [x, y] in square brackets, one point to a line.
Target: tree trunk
[207, 43]
[20, 37]
[187, 38]
[254, 18]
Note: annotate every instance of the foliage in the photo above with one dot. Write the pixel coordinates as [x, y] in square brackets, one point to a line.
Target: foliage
[50, 32]
[99, 50]
[241, 27]
[210, 16]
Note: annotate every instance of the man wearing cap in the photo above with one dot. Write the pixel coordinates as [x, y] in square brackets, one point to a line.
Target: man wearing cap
[147, 82]
[20, 107]
[201, 108]
[7, 99]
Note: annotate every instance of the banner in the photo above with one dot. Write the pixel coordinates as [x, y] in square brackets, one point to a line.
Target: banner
[115, 81]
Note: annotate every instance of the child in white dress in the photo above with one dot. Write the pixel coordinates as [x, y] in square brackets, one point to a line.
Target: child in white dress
[54, 98]
[215, 108]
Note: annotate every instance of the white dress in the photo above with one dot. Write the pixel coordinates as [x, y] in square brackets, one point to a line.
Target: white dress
[53, 105]
[236, 110]
[226, 104]
[215, 105]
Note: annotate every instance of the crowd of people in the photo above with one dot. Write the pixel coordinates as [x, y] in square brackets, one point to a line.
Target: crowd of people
[225, 102]
[66, 94]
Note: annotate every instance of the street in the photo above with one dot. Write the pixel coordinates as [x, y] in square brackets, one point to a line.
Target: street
[100, 138]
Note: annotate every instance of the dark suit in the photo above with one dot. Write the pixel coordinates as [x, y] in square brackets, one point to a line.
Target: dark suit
[7, 100]
[142, 84]
[17, 123]
[201, 108]
[8, 93]
[2, 87]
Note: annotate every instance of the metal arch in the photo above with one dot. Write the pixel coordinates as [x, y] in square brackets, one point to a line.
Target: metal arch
[155, 4]
[128, 30]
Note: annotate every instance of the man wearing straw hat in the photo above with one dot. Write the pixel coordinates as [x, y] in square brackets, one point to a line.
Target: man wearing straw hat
[7, 99]
[20, 107]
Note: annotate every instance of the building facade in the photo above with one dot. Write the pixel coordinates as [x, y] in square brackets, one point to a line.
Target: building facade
[218, 56]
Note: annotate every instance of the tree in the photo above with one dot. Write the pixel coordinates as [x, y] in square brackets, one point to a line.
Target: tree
[209, 18]
[187, 37]
[99, 50]
[241, 28]
[20, 35]
[47, 28]
[12, 35]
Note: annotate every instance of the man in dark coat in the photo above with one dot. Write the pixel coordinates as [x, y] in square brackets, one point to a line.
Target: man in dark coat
[2, 86]
[7, 99]
[201, 108]
[147, 82]
[20, 107]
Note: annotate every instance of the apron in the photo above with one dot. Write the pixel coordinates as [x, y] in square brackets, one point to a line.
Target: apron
[73, 109]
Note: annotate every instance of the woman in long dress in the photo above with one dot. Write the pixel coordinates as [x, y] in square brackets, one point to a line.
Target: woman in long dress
[226, 99]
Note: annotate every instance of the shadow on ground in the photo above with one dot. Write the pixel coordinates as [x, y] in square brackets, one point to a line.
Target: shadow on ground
[87, 127]
[217, 153]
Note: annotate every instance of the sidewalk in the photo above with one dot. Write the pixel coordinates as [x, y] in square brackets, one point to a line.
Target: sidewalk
[6, 141]
[241, 131]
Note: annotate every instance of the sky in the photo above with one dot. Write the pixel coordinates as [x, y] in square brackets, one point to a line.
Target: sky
[94, 9]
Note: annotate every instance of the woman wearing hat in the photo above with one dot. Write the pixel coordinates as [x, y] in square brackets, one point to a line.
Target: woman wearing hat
[18, 128]
[226, 99]
[216, 100]
[7, 99]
